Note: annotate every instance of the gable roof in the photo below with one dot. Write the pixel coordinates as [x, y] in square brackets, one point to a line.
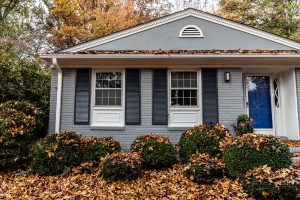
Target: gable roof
[179, 15]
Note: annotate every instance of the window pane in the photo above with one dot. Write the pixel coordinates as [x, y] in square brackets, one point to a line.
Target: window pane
[118, 93]
[174, 93]
[180, 101]
[187, 83]
[180, 75]
[105, 93]
[98, 101]
[180, 93]
[112, 83]
[194, 75]
[118, 83]
[194, 93]
[98, 93]
[187, 75]
[187, 93]
[112, 93]
[187, 101]
[112, 101]
[174, 83]
[194, 101]
[194, 83]
[173, 101]
[105, 102]
[118, 101]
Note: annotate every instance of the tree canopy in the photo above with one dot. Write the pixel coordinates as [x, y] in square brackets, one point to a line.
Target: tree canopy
[281, 17]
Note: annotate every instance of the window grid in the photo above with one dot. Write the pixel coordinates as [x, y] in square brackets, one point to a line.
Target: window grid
[108, 89]
[184, 89]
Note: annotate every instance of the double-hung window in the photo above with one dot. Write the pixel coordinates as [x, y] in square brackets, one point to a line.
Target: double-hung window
[184, 89]
[108, 89]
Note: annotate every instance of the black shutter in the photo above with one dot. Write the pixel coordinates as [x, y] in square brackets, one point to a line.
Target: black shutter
[160, 97]
[82, 97]
[133, 97]
[210, 96]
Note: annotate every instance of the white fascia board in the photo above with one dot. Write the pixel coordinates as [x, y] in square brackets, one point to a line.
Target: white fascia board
[177, 16]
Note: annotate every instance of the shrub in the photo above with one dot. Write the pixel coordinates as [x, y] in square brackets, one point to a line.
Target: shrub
[96, 148]
[203, 139]
[203, 168]
[20, 123]
[244, 125]
[264, 183]
[157, 151]
[250, 150]
[56, 153]
[121, 166]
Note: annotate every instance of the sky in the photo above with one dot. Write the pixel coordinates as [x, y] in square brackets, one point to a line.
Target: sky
[210, 4]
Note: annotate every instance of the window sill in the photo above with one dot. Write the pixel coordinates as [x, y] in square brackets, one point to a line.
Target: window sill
[110, 128]
[184, 108]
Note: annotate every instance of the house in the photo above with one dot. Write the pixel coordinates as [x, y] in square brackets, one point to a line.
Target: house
[169, 74]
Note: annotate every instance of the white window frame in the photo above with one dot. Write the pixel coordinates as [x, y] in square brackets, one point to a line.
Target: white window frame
[109, 111]
[185, 111]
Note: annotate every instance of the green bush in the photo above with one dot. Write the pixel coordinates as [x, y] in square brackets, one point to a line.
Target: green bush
[264, 183]
[56, 153]
[96, 148]
[203, 139]
[204, 169]
[121, 166]
[20, 123]
[157, 151]
[244, 125]
[249, 151]
[158, 155]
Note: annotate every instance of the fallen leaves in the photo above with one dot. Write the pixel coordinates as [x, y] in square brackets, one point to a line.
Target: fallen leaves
[154, 184]
[291, 143]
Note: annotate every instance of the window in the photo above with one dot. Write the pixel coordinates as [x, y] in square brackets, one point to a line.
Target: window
[184, 89]
[108, 89]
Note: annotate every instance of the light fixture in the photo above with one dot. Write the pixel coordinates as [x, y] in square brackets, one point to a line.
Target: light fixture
[227, 77]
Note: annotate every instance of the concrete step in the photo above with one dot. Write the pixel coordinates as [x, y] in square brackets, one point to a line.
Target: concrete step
[296, 159]
[296, 154]
[294, 149]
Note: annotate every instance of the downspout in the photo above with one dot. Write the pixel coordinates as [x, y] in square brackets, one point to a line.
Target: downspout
[58, 94]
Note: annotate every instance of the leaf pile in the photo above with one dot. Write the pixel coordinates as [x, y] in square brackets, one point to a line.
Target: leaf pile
[104, 141]
[141, 141]
[217, 132]
[252, 140]
[291, 143]
[160, 51]
[154, 184]
[203, 158]
[276, 177]
[131, 158]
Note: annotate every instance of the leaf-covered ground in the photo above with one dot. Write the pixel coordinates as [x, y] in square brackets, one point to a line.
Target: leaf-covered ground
[154, 184]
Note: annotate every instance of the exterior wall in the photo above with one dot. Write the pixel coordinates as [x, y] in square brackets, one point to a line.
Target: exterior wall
[130, 132]
[52, 101]
[231, 101]
[166, 37]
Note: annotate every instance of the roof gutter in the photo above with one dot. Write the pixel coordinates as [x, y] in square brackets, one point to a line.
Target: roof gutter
[58, 94]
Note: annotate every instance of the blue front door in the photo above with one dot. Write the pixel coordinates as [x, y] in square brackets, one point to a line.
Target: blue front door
[259, 101]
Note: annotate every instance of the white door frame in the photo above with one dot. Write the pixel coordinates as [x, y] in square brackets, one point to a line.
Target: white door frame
[271, 77]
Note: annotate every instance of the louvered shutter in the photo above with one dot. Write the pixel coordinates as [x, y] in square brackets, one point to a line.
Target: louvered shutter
[82, 97]
[133, 97]
[210, 96]
[160, 97]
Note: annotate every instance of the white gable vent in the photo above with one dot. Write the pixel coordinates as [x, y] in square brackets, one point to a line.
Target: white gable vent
[191, 31]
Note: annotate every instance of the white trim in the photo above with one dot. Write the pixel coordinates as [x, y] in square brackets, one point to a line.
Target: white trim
[177, 16]
[296, 100]
[58, 94]
[191, 36]
[117, 110]
[185, 111]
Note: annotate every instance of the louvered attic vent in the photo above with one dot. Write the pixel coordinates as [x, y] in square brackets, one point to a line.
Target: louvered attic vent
[191, 31]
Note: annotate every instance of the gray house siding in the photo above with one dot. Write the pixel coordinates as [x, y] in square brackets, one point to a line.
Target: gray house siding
[52, 108]
[230, 96]
[166, 37]
[230, 105]
[130, 132]
[297, 73]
